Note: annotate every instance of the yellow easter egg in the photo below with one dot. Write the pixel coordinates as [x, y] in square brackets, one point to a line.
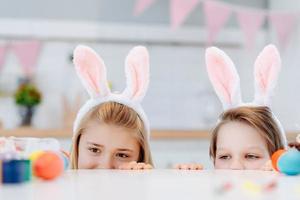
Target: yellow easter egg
[35, 155]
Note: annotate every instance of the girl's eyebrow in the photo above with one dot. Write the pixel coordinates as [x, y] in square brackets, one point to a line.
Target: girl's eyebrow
[255, 148]
[125, 150]
[95, 144]
[248, 147]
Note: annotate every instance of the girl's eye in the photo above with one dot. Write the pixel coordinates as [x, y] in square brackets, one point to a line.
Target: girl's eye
[225, 157]
[251, 157]
[94, 150]
[122, 155]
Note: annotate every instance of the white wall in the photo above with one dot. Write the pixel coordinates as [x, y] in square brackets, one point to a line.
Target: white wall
[178, 72]
[287, 98]
[180, 95]
[119, 11]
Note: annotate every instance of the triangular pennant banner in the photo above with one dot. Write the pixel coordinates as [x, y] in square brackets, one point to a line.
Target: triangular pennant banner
[3, 50]
[179, 10]
[284, 25]
[216, 15]
[250, 23]
[141, 6]
[27, 53]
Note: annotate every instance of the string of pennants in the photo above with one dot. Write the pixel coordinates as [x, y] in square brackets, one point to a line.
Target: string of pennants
[217, 14]
[26, 52]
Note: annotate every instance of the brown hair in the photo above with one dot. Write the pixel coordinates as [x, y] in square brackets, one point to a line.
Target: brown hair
[119, 115]
[259, 118]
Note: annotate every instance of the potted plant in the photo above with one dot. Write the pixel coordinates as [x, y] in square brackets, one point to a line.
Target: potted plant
[27, 97]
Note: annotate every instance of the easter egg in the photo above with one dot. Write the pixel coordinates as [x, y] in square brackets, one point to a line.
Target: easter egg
[16, 171]
[33, 156]
[48, 166]
[275, 158]
[289, 162]
[65, 158]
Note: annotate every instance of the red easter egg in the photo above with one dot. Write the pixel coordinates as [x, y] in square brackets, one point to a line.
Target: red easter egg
[275, 158]
[48, 166]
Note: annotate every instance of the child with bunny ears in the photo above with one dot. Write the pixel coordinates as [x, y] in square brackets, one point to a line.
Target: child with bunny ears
[111, 130]
[247, 134]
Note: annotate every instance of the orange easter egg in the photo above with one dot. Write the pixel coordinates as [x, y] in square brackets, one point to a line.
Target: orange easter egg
[275, 158]
[48, 166]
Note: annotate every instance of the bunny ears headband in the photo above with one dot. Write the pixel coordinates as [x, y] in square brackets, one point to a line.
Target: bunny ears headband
[226, 82]
[91, 70]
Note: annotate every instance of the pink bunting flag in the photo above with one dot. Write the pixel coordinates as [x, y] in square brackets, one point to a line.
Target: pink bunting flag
[216, 15]
[284, 24]
[141, 6]
[179, 11]
[250, 23]
[27, 53]
[3, 49]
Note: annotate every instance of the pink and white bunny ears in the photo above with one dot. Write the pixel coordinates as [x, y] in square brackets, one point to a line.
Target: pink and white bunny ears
[91, 70]
[226, 82]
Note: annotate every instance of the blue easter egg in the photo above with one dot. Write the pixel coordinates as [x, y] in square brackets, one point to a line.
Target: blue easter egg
[289, 162]
[66, 161]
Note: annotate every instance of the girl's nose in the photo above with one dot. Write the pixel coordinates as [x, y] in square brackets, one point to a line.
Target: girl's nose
[236, 165]
[106, 163]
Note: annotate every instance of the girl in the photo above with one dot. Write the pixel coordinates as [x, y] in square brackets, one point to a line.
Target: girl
[245, 138]
[247, 134]
[111, 130]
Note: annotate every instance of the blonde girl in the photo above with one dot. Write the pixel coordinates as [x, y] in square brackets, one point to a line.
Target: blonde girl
[111, 130]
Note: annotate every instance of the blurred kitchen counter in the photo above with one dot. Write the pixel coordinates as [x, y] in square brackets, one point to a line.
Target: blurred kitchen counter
[159, 185]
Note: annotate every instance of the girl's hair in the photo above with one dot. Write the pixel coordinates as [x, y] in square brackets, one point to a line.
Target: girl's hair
[119, 115]
[259, 118]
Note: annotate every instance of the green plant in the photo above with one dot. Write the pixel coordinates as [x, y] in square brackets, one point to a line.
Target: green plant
[27, 95]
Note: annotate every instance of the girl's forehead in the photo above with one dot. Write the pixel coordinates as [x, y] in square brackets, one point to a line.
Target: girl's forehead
[109, 135]
[241, 149]
[97, 126]
[239, 134]
[236, 128]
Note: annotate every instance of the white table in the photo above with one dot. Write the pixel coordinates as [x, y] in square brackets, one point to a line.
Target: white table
[156, 184]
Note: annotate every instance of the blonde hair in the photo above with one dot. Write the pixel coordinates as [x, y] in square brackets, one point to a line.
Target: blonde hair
[259, 118]
[119, 115]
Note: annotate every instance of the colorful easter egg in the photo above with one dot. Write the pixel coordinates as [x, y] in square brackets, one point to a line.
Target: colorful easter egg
[48, 166]
[289, 162]
[275, 158]
[34, 156]
[16, 171]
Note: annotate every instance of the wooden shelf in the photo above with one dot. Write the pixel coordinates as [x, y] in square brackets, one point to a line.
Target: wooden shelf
[30, 132]
[155, 134]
